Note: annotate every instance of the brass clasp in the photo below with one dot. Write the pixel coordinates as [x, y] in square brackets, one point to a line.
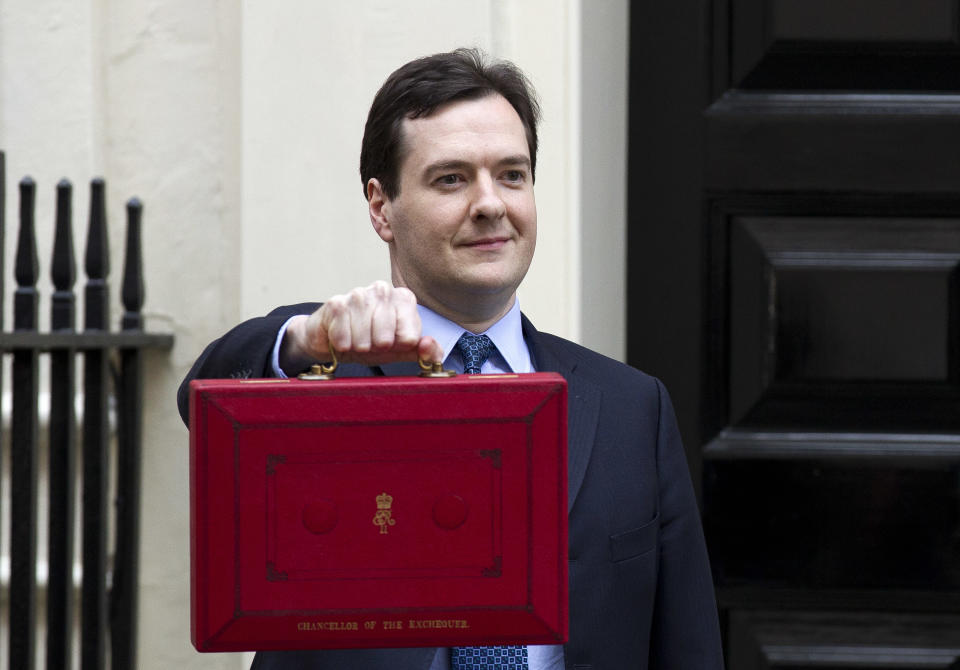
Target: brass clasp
[321, 372]
[434, 370]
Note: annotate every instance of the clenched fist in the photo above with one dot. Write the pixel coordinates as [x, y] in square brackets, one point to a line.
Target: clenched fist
[371, 325]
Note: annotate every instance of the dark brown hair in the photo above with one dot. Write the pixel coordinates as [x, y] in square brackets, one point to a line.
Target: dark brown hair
[421, 86]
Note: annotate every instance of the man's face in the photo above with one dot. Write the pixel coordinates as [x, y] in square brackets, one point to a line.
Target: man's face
[463, 227]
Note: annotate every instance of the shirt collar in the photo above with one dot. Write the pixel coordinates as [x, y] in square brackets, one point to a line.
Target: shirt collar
[506, 334]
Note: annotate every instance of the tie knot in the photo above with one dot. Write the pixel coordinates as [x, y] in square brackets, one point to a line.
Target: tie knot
[475, 350]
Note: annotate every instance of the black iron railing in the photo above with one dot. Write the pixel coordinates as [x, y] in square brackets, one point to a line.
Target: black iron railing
[112, 365]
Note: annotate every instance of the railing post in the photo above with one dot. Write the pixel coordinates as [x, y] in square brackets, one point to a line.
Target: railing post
[62, 431]
[95, 435]
[23, 466]
[63, 342]
[124, 599]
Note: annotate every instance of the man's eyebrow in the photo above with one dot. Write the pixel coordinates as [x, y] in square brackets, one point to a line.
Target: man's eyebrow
[519, 159]
[456, 164]
[444, 165]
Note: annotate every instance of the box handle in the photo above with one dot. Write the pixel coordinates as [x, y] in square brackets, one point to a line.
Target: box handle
[325, 371]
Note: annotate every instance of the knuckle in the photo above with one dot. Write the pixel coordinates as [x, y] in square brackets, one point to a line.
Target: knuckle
[403, 294]
[383, 340]
[336, 304]
[380, 288]
[357, 297]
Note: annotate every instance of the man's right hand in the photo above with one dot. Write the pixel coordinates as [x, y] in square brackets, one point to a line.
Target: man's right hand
[371, 325]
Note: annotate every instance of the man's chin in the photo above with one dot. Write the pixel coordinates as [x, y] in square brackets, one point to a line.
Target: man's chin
[483, 288]
[490, 278]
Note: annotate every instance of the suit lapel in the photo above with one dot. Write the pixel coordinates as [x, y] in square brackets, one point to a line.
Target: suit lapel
[583, 407]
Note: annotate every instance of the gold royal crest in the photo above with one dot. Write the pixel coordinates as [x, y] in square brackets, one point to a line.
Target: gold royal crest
[384, 515]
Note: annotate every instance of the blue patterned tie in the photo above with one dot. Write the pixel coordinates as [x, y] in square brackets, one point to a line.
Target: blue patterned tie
[475, 349]
[488, 658]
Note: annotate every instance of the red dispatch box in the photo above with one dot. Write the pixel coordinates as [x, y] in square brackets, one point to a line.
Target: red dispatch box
[384, 512]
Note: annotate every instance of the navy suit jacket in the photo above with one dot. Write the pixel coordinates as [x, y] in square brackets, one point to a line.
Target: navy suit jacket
[641, 595]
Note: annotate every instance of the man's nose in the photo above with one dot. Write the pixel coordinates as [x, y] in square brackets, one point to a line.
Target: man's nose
[487, 203]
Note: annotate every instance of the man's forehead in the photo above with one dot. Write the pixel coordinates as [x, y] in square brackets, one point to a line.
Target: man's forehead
[489, 122]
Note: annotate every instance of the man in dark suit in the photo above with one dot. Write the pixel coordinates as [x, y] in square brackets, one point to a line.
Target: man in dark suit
[448, 163]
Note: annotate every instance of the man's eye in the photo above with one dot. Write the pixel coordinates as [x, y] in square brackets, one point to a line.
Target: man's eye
[514, 175]
[449, 180]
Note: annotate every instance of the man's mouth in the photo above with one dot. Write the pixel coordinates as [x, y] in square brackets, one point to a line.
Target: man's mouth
[487, 243]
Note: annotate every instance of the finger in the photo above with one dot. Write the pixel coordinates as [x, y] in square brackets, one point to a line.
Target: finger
[336, 322]
[407, 327]
[360, 302]
[383, 327]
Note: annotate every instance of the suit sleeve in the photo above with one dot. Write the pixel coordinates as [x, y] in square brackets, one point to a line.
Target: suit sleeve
[686, 632]
[241, 353]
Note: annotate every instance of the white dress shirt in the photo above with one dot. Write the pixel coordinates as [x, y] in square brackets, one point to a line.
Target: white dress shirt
[511, 355]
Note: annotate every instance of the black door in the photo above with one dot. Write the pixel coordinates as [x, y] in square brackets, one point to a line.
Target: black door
[794, 277]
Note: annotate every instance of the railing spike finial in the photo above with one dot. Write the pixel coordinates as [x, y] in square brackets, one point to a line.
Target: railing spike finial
[132, 291]
[27, 265]
[63, 266]
[97, 260]
[63, 270]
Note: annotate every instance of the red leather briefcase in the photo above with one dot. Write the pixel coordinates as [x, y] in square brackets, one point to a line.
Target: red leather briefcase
[378, 512]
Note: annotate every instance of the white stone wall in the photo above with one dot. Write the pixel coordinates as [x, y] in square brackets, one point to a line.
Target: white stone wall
[239, 125]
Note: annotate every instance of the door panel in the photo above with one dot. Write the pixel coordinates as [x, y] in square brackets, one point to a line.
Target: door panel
[874, 45]
[834, 523]
[794, 277]
[849, 142]
[833, 321]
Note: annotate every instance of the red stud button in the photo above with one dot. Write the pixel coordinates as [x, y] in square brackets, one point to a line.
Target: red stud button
[450, 511]
[320, 516]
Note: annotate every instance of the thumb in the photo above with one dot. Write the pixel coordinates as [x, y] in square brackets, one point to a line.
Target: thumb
[429, 351]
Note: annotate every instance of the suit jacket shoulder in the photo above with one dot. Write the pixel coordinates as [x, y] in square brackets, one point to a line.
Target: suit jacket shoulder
[552, 352]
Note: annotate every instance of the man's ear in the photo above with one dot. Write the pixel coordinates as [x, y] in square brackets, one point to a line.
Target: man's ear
[379, 206]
